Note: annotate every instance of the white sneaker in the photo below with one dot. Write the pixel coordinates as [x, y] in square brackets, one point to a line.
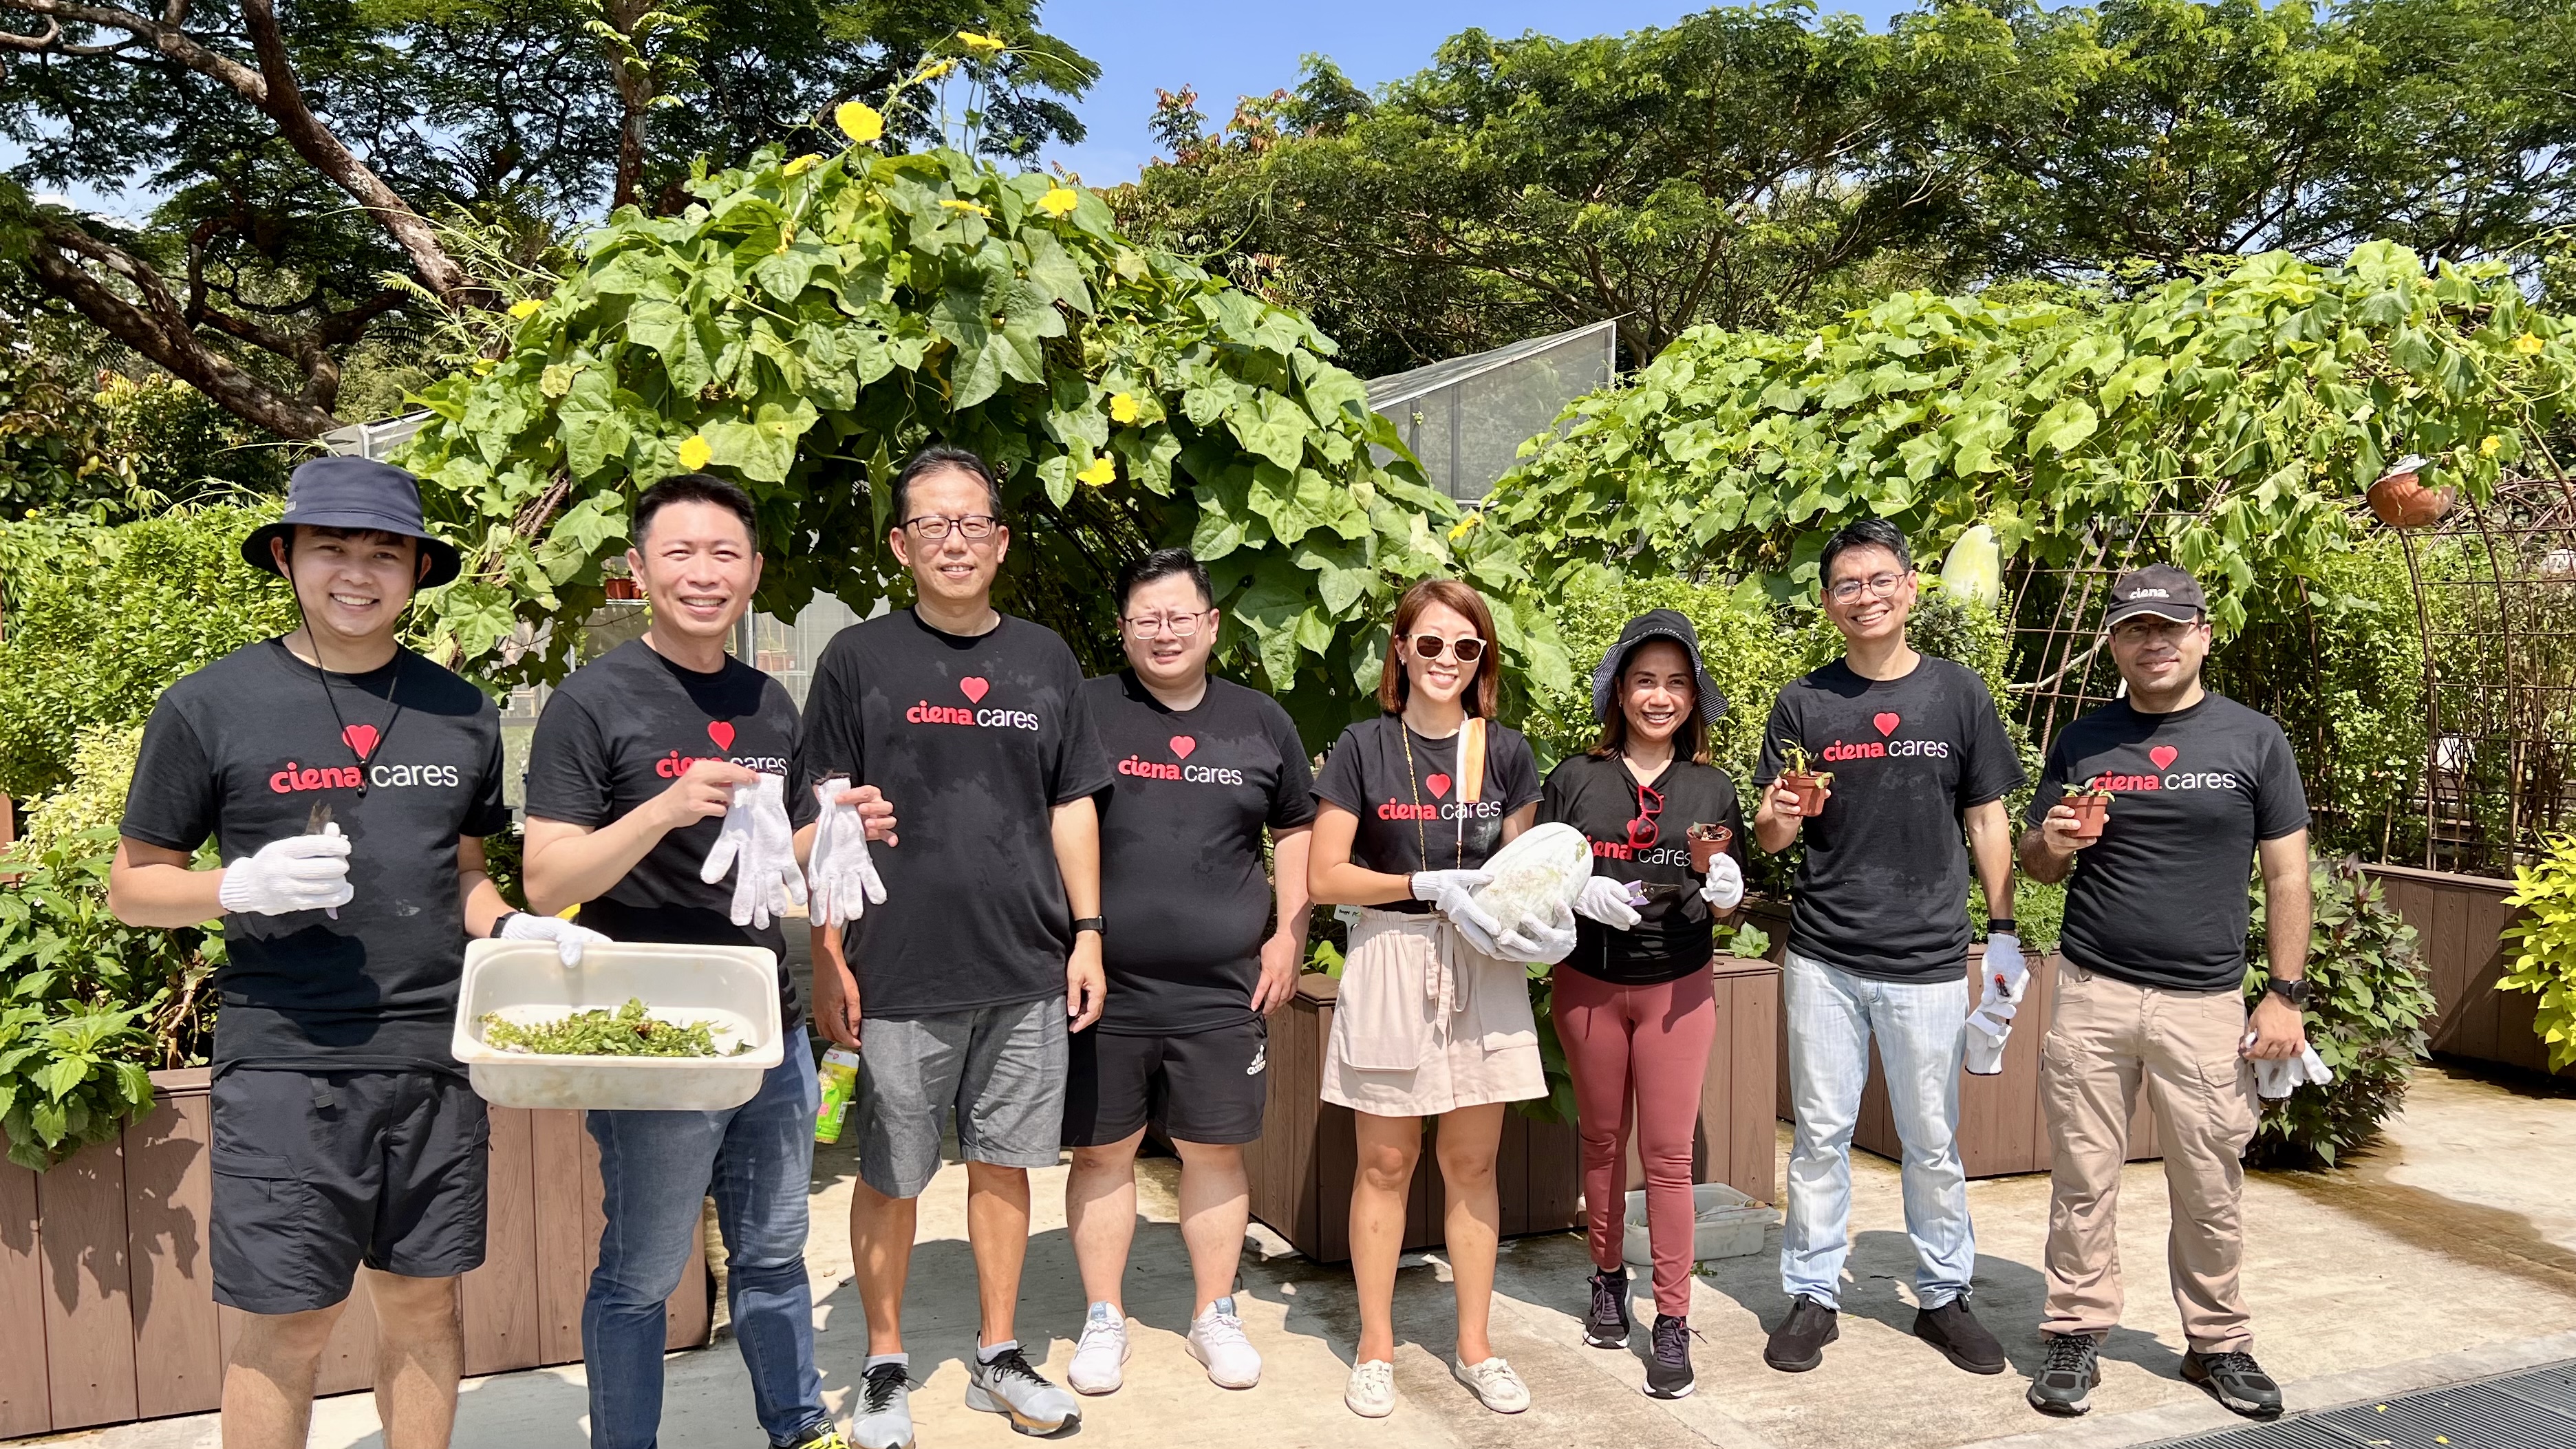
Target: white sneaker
[1371, 1393]
[1216, 1340]
[1493, 1383]
[1101, 1355]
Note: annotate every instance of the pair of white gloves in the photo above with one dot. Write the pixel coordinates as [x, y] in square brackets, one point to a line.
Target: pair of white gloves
[758, 844]
[1613, 903]
[311, 873]
[2277, 1077]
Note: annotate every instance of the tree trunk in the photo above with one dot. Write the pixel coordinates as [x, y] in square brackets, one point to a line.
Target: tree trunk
[632, 74]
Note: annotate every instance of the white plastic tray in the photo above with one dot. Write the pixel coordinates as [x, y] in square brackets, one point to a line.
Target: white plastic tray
[732, 988]
[1730, 1225]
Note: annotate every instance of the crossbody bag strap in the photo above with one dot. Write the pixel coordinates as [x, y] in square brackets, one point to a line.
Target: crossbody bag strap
[1471, 760]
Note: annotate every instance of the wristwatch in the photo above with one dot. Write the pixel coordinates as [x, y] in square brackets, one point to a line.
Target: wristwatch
[2003, 926]
[2294, 992]
[498, 922]
[1096, 925]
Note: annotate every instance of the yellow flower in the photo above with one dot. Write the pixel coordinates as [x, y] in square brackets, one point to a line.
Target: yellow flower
[694, 452]
[1059, 201]
[2528, 344]
[859, 121]
[525, 308]
[955, 205]
[2487, 445]
[802, 164]
[1465, 525]
[1122, 407]
[983, 44]
[1100, 474]
[936, 69]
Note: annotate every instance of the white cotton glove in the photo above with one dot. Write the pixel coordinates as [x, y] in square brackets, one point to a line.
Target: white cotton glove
[299, 873]
[759, 846]
[1453, 894]
[2007, 977]
[2275, 1079]
[842, 882]
[1540, 943]
[1985, 1051]
[1724, 888]
[1611, 902]
[569, 939]
[2006, 973]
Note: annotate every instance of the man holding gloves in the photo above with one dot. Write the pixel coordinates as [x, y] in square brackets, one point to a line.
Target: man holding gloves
[349, 783]
[1913, 765]
[2152, 996]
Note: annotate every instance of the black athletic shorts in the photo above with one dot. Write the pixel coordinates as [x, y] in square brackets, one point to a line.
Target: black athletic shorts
[1208, 1086]
[317, 1172]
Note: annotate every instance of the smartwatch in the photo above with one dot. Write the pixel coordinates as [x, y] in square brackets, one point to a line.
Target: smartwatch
[2003, 926]
[1096, 925]
[2294, 992]
[498, 922]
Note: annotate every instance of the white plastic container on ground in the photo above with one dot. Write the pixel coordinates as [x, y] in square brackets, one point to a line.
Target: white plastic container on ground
[1730, 1225]
[734, 989]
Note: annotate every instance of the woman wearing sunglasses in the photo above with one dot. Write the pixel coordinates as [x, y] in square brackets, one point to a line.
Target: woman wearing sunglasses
[1634, 1004]
[1428, 1022]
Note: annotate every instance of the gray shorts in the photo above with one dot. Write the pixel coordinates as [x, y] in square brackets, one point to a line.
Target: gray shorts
[1001, 1067]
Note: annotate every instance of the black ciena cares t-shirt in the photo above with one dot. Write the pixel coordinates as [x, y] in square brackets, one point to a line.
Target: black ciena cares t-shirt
[245, 750]
[1416, 821]
[1676, 933]
[1181, 881]
[621, 730]
[1883, 888]
[2160, 899]
[975, 740]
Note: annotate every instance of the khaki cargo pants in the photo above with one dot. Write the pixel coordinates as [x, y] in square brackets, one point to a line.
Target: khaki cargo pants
[2107, 1038]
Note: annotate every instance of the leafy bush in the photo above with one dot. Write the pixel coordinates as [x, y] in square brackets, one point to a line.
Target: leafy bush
[2545, 963]
[2366, 1019]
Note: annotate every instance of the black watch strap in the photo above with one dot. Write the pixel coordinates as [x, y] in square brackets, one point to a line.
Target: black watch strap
[2294, 992]
[2003, 926]
[1096, 925]
[499, 921]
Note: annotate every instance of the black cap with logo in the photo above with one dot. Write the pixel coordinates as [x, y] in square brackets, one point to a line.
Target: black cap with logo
[2159, 589]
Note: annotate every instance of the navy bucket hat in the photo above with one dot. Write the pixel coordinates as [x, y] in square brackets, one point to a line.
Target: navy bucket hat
[1644, 629]
[361, 493]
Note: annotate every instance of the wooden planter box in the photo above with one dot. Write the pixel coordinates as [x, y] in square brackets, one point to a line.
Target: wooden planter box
[107, 1309]
[2459, 921]
[1303, 1164]
[2003, 1127]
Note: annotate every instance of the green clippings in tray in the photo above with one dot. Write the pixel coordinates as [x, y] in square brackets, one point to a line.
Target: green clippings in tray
[630, 1031]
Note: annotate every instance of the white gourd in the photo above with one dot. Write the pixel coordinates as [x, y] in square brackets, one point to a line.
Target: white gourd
[1537, 876]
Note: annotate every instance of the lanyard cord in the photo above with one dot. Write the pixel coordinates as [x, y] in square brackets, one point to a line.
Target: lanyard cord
[392, 686]
[1422, 842]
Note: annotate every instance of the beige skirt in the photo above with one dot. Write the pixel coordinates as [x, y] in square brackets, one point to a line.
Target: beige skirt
[1425, 1023]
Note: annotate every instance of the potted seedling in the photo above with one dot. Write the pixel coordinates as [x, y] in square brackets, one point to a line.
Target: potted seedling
[2400, 499]
[2092, 805]
[1809, 784]
[1707, 843]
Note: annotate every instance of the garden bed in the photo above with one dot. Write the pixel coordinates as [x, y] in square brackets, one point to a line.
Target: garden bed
[107, 1309]
[2459, 921]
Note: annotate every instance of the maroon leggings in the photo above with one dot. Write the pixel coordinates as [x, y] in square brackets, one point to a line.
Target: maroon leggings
[1638, 1054]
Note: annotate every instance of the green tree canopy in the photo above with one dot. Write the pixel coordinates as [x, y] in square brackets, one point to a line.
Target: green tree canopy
[808, 323]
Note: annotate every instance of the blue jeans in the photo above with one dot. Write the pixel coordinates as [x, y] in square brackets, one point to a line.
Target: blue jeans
[1921, 1032]
[657, 1169]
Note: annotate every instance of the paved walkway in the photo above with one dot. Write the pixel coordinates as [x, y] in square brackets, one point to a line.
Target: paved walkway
[2447, 1254]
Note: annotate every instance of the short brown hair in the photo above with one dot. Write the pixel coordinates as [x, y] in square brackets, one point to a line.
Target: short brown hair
[1393, 686]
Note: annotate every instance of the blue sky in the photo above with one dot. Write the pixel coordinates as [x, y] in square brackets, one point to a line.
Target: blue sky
[1230, 49]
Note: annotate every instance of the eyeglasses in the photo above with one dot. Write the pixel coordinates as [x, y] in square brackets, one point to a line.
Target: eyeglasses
[933, 527]
[1183, 626]
[1432, 646]
[1643, 831]
[1878, 586]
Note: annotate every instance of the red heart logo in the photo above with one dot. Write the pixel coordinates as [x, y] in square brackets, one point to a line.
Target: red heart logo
[1437, 784]
[721, 733]
[1886, 723]
[362, 738]
[1182, 745]
[2163, 755]
[973, 688]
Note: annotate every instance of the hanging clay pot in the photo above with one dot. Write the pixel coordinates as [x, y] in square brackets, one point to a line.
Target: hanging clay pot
[2400, 499]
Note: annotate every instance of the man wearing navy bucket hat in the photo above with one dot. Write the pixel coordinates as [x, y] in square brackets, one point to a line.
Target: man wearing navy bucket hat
[347, 784]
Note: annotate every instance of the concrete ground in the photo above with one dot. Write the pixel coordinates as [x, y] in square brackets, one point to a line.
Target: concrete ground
[2448, 1253]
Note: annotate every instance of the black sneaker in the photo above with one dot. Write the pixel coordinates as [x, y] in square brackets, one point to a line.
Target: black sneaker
[1798, 1344]
[1962, 1340]
[1668, 1372]
[2236, 1380]
[2066, 1379]
[1606, 1326]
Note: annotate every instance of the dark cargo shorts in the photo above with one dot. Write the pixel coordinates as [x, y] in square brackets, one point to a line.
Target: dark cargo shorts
[318, 1172]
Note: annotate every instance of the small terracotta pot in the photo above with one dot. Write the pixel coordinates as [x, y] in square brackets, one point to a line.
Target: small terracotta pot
[2401, 500]
[1707, 843]
[1810, 788]
[2090, 813]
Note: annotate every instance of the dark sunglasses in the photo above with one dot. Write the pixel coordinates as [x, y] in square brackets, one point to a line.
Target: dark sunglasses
[1643, 832]
[1432, 646]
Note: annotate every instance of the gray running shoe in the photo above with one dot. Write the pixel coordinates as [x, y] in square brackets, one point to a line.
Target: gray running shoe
[2235, 1380]
[1007, 1385]
[2067, 1377]
[885, 1408]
